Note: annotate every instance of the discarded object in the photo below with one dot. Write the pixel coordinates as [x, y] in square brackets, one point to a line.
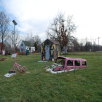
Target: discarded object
[16, 67]
[14, 55]
[65, 64]
[19, 67]
[3, 59]
[56, 72]
[10, 73]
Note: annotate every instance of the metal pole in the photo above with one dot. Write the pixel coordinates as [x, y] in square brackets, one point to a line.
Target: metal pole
[14, 22]
[14, 36]
[98, 43]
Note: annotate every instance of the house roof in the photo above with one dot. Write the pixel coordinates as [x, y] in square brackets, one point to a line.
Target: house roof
[52, 41]
[27, 43]
[69, 58]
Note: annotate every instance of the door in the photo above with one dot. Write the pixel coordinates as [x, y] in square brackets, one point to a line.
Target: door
[47, 52]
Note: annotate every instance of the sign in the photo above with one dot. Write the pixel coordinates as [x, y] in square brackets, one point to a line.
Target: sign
[14, 55]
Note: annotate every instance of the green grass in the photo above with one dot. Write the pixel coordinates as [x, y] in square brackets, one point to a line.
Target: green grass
[85, 85]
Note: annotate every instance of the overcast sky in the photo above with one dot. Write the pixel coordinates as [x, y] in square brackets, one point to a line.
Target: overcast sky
[36, 15]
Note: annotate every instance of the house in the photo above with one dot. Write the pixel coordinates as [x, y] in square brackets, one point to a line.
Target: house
[23, 46]
[50, 49]
[26, 45]
[5, 48]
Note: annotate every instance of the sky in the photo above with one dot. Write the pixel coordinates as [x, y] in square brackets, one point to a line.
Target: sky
[35, 16]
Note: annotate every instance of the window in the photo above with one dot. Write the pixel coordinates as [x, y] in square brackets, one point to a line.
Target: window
[69, 63]
[21, 44]
[61, 61]
[84, 63]
[77, 63]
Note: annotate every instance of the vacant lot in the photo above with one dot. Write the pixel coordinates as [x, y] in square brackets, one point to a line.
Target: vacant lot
[85, 85]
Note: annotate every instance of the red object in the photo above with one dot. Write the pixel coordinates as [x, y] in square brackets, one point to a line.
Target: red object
[19, 68]
[68, 63]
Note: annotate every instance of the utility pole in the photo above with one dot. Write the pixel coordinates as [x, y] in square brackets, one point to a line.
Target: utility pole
[98, 43]
[98, 40]
[15, 23]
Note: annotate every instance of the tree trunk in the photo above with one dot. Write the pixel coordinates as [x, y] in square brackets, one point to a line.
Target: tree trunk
[2, 44]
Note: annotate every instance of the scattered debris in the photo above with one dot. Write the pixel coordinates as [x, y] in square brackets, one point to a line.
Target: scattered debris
[56, 72]
[3, 59]
[10, 73]
[19, 67]
[65, 64]
[42, 61]
[16, 67]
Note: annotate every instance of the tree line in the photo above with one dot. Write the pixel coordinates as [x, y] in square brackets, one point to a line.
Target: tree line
[60, 29]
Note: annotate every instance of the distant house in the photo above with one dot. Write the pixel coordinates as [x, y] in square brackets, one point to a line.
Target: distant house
[50, 49]
[22, 47]
[6, 47]
[26, 45]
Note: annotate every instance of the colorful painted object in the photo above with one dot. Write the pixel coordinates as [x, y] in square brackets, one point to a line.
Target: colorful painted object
[19, 67]
[65, 64]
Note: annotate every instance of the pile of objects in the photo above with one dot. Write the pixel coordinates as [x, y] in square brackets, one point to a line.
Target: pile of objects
[16, 68]
[65, 64]
[52, 70]
[3, 59]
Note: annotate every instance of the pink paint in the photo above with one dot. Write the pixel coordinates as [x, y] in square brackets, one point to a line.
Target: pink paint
[70, 63]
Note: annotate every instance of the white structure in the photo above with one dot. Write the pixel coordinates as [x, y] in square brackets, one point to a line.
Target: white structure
[32, 49]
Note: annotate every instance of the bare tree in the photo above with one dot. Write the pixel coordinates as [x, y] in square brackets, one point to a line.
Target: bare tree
[61, 30]
[4, 24]
[76, 45]
[37, 39]
[34, 40]
[10, 37]
[37, 43]
[88, 46]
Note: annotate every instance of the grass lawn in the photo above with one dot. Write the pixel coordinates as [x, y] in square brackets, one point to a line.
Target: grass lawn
[85, 85]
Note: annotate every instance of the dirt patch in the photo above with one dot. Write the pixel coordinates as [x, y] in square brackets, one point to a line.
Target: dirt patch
[3, 59]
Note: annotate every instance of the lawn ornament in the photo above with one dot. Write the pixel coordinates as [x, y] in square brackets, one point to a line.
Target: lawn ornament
[16, 67]
[65, 64]
[19, 67]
